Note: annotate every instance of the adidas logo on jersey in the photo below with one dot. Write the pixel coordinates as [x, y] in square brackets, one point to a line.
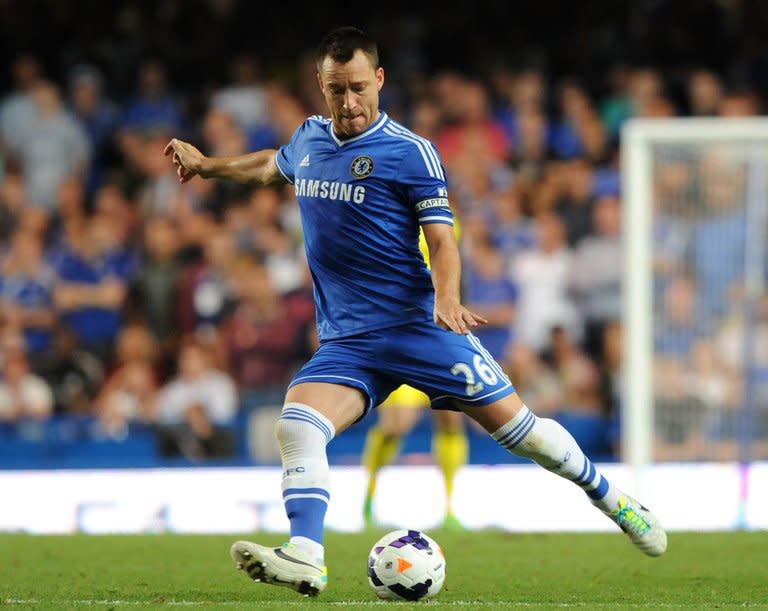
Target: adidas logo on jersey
[305, 162]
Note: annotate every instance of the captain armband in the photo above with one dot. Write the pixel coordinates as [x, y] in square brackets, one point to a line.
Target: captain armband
[434, 202]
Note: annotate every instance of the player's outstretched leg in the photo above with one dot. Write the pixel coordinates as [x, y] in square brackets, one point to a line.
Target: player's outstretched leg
[302, 433]
[546, 442]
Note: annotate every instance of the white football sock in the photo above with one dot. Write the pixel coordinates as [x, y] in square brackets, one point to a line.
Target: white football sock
[303, 433]
[547, 443]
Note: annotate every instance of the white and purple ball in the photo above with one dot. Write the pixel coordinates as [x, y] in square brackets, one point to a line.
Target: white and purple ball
[406, 565]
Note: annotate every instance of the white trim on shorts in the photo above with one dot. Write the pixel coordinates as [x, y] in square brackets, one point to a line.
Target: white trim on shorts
[470, 400]
[322, 377]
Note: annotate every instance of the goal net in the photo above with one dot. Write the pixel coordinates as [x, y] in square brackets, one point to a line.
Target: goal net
[696, 313]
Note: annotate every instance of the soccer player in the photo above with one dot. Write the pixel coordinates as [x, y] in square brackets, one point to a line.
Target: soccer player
[397, 416]
[365, 185]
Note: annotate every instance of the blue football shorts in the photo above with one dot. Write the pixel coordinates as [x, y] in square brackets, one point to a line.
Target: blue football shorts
[451, 369]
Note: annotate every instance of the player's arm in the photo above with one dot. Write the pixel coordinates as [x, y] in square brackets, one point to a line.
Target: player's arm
[258, 168]
[446, 278]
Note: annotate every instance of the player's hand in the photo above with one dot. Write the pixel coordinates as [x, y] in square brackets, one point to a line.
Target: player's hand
[187, 159]
[452, 316]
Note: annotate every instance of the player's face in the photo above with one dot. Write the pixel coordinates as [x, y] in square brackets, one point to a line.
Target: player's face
[351, 91]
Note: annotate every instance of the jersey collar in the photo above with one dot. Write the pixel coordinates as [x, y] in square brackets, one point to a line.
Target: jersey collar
[378, 124]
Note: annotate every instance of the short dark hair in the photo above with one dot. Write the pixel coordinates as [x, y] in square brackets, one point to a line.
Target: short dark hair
[340, 45]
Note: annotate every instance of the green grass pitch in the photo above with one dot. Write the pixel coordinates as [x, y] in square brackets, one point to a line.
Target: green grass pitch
[486, 570]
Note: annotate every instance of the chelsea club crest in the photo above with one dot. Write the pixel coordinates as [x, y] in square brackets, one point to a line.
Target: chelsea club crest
[361, 166]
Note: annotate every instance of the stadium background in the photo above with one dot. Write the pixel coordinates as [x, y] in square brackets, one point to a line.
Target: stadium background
[126, 298]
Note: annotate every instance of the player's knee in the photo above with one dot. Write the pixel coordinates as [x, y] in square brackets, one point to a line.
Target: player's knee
[449, 422]
[299, 438]
[300, 426]
[283, 431]
[393, 430]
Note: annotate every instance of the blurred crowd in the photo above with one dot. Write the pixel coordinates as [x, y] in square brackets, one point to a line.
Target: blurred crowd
[131, 298]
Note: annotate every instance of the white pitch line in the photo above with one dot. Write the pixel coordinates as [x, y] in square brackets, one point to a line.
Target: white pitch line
[365, 603]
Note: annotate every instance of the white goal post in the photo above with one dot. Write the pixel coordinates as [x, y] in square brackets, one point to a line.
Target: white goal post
[639, 139]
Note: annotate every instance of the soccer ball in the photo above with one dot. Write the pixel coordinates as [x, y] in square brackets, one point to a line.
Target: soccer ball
[406, 565]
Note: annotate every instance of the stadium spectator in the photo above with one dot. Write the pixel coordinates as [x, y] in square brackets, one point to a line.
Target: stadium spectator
[680, 422]
[245, 101]
[719, 234]
[136, 344]
[646, 92]
[680, 323]
[534, 377]
[611, 376]
[111, 203]
[23, 395]
[489, 290]
[447, 87]
[285, 113]
[597, 273]
[154, 109]
[68, 218]
[730, 335]
[17, 109]
[238, 219]
[49, 148]
[222, 135]
[130, 392]
[671, 231]
[266, 335]
[577, 372]
[709, 381]
[543, 274]
[283, 260]
[575, 110]
[705, 93]
[575, 180]
[99, 117]
[309, 96]
[616, 106]
[426, 118]
[511, 230]
[26, 292]
[159, 193]
[519, 95]
[12, 204]
[582, 410]
[158, 285]
[93, 276]
[531, 144]
[74, 375]
[594, 140]
[196, 409]
[129, 396]
[740, 103]
[529, 89]
[721, 391]
[205, 294]
[476, 135]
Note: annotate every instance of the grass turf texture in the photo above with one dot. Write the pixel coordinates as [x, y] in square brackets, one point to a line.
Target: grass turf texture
[486, 570]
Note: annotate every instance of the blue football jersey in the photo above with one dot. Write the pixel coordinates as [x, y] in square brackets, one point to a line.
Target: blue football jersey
[362, 201]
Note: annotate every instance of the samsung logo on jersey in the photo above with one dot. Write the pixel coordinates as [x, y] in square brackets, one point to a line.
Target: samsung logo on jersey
[325, 189]
[435, 202]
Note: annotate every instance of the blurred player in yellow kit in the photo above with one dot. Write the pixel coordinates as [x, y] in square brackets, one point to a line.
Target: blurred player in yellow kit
[398, 415]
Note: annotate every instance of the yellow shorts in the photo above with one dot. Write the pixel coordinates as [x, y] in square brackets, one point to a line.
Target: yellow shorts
[406, 396]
